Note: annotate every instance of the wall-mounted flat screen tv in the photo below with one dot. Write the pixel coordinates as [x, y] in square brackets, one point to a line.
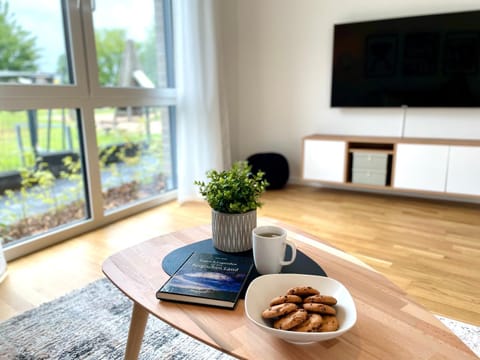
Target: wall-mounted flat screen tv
[421, 61]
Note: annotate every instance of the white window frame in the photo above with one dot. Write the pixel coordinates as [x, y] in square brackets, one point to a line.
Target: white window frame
[86, 95]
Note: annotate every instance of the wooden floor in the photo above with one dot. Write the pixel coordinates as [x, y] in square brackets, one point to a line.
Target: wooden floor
[431, 249]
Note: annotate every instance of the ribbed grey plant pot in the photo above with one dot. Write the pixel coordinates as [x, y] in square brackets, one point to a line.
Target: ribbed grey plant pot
[233, 232]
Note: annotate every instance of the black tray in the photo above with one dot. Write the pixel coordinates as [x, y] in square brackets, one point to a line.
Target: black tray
[302, 264]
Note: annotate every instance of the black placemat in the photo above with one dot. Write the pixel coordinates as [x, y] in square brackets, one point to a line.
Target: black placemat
[302, 264]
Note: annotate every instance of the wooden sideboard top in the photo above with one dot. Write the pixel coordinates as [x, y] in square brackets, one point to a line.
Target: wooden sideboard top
[394, 140]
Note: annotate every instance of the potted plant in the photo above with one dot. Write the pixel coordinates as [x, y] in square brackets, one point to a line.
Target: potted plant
[234, 196]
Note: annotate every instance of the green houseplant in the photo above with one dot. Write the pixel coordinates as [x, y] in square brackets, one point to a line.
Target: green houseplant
[234, 196]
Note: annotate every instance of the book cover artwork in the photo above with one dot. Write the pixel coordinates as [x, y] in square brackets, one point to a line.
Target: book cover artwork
[211, 276]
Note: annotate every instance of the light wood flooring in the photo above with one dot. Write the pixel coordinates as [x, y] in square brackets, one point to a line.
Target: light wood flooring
[431, 249]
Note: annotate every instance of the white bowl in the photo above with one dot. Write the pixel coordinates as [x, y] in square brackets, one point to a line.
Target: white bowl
[266, 287]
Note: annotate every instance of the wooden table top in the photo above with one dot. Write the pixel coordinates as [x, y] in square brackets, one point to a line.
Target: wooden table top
[389, 324]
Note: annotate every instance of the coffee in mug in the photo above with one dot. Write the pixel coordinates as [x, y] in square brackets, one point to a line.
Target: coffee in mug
[270, 234]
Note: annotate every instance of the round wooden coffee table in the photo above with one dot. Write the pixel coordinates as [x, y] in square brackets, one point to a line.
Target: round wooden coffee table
[389, 324]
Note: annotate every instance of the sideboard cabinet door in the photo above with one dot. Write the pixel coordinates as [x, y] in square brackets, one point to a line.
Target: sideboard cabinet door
[324, 160]
[464, 170]
[421, 167]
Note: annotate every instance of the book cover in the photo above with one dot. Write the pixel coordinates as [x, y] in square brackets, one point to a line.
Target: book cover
[208, 279]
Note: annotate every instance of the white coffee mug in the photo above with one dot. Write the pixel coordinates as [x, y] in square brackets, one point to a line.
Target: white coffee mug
[269, 246]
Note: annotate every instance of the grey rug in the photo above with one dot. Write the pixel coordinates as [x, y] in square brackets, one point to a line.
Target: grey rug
[468, 333]
[92, 323]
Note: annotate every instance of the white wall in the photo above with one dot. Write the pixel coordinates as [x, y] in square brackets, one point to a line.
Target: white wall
[278, 60]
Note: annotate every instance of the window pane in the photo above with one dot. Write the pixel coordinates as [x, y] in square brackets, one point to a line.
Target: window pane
[32, 43]
[135, 153]
[130, 43]
[41, 173]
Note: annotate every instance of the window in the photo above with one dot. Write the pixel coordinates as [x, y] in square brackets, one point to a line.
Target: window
[135, 157]
[87, 116]
[34, 43]
[130, 54]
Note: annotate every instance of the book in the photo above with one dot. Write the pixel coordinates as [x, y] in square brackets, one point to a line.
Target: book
[208, 279]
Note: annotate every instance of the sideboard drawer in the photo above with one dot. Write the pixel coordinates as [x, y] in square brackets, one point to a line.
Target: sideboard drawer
[369, 177]
[369, 161]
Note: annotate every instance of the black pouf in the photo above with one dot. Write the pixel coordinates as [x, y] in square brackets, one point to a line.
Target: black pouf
[275, 167]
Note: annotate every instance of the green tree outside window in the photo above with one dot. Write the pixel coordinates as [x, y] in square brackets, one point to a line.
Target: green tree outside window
[18, 51]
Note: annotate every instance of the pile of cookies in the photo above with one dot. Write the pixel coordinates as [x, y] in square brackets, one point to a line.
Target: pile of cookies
[304, 309]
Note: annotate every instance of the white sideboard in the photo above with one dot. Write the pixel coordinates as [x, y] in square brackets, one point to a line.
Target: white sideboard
[433, 166]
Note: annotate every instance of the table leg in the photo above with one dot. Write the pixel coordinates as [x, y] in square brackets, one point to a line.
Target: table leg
[135, 334]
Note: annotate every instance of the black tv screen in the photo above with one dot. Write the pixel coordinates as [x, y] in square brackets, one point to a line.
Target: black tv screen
[421, 61]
